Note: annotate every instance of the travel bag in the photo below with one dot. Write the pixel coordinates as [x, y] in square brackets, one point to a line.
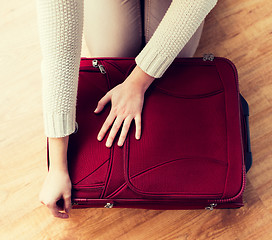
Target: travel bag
[194, 149]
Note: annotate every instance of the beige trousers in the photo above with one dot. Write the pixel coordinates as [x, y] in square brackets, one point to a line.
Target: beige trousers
[118, 28]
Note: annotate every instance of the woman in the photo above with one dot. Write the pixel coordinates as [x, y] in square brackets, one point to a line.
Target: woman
[112, 28]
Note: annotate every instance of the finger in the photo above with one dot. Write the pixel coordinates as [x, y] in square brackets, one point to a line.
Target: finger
[138, 126]
[124, 131]
[67, 203]
[60, 204]
[109, 120]
[115, 127]
[102, 102]
[54, 210]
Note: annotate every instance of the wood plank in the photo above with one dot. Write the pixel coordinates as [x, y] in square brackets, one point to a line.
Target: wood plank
[238, 30]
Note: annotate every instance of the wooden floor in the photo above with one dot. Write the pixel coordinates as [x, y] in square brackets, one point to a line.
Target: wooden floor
[240, 30]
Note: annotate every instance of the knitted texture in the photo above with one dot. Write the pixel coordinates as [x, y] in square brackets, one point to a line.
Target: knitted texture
[60, 24]
[178, 25]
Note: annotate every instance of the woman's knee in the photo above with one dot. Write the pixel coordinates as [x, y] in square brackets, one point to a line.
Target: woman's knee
[112, 28]
[154, 13]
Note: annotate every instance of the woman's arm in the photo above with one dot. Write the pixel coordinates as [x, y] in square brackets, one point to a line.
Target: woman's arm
[60, 25]
[178, 25]
[58, 153]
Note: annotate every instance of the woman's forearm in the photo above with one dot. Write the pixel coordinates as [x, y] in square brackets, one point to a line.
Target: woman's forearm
[58, 153]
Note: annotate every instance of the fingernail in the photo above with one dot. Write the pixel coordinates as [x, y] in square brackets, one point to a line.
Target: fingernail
[95, 110]
[99, 138]
[107, 144]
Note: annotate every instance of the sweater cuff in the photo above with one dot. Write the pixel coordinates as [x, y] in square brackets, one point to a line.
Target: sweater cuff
[152, 62]
[59, 125]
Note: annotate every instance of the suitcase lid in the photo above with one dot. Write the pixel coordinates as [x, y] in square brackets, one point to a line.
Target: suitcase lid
[191, 144]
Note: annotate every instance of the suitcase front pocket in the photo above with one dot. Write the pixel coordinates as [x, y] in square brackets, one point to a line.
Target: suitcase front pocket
[183, 148]
[192, 176]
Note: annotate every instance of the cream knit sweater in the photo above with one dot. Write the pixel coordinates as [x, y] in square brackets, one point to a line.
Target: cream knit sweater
[60, 25]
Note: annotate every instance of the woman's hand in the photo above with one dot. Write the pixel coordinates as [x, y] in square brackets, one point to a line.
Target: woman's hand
[56, 186]
[126, 104]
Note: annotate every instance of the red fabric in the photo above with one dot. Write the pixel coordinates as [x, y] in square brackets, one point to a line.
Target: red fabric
[191, 148]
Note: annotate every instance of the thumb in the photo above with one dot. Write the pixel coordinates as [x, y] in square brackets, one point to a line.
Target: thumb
[102, 102]
[67, 204]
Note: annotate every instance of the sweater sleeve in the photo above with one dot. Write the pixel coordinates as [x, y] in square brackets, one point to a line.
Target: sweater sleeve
[178, 25]
[60, 26]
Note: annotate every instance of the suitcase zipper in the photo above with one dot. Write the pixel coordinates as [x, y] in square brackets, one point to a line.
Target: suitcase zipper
[100, 66]
[214, 202]
[85, 189]
[208, 56]
[108, 205]
[84, 201]
[212, 205]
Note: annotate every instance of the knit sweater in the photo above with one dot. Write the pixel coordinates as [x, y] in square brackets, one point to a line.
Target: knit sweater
[60, 26]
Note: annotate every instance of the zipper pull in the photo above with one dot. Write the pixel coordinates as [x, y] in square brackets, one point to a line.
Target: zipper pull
[212, 205]
[209, 57]
[108, 205]
[76, 127]
[100, 66]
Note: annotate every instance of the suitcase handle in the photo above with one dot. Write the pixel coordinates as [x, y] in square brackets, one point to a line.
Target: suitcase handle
[248, 154]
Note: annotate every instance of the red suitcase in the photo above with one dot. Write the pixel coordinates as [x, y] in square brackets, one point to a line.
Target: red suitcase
[194, 150]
